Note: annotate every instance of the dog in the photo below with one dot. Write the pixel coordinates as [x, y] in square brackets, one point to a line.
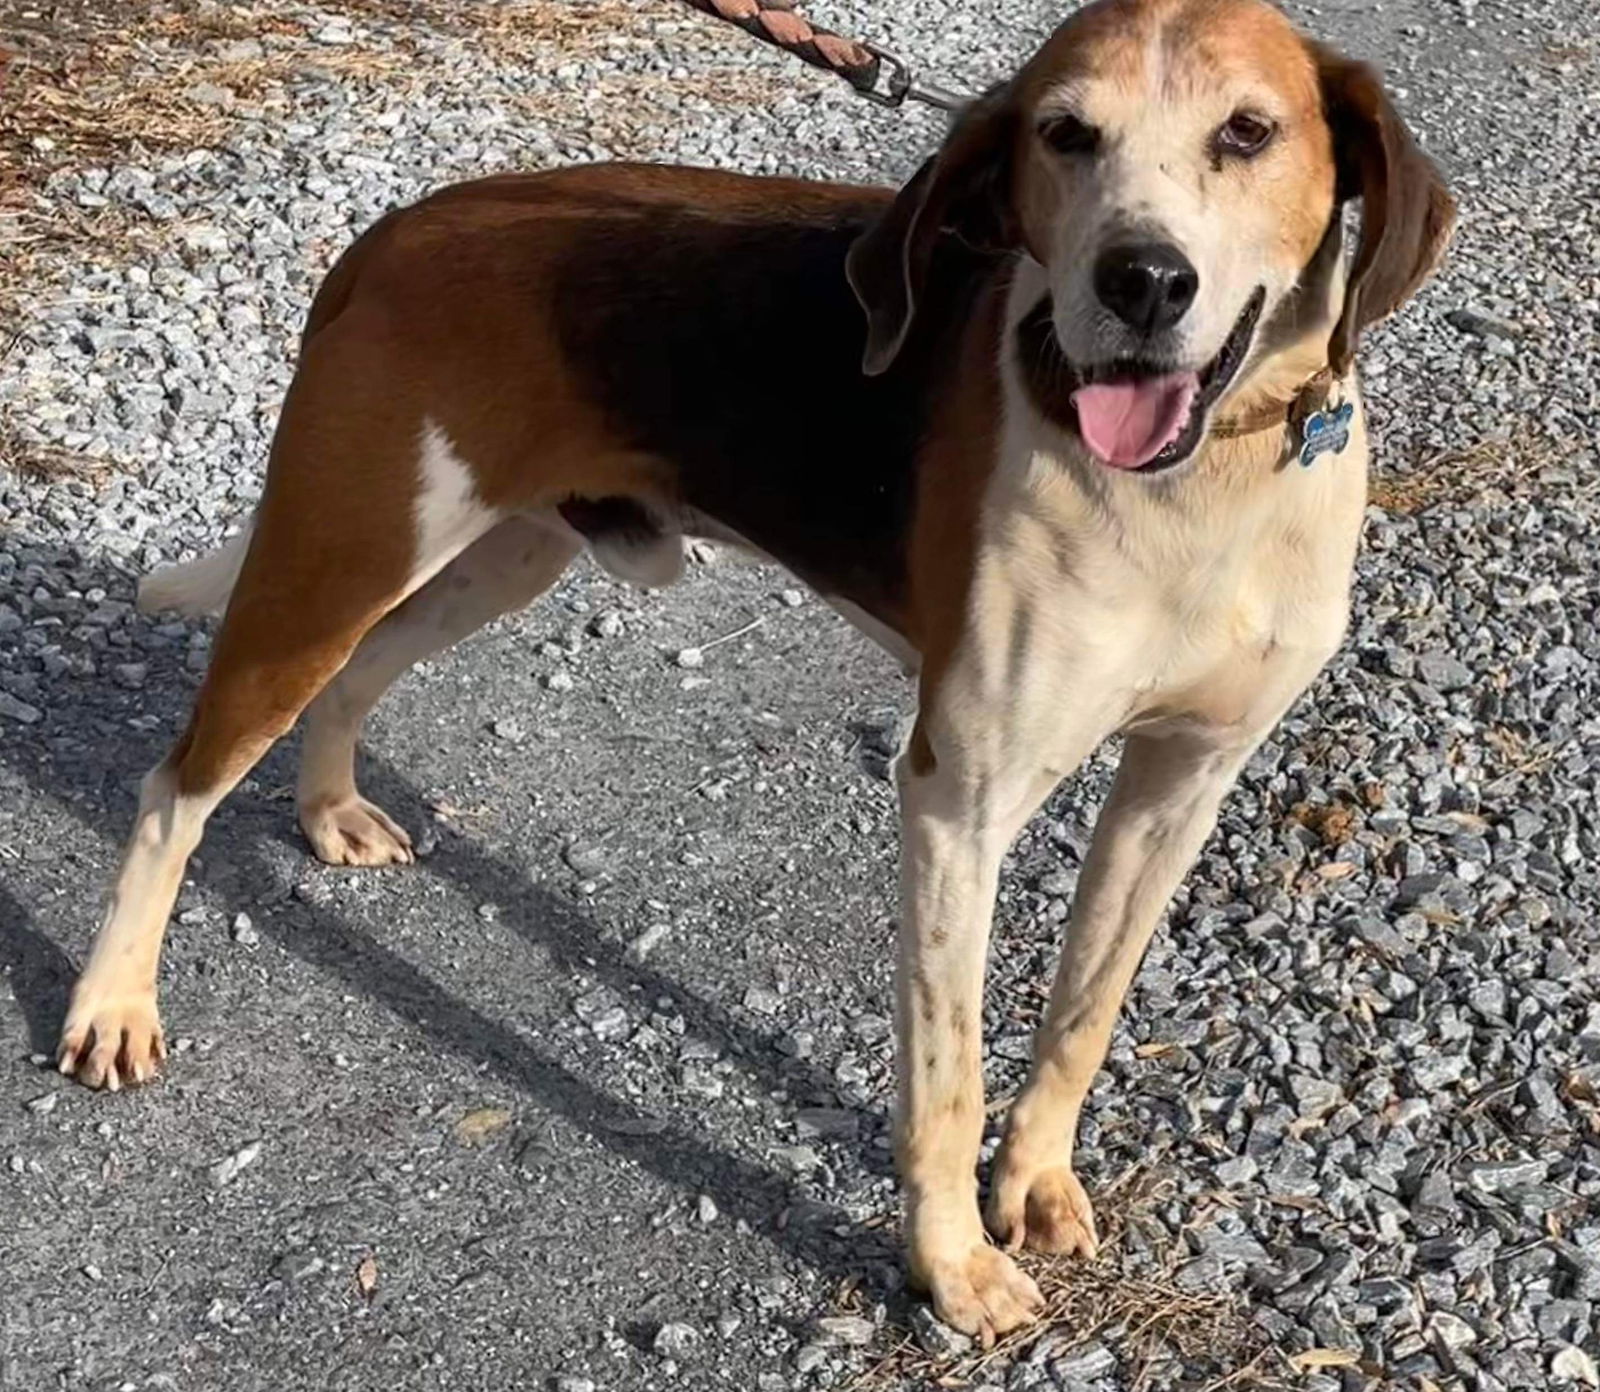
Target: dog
[1069, 423]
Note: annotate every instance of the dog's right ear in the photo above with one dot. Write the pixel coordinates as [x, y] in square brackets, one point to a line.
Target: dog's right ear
[965, 189]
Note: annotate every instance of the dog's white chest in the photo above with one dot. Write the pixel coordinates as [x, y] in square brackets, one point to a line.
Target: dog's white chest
[1198, 606]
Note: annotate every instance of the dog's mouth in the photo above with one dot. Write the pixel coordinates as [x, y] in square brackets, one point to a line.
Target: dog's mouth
[1133, 414]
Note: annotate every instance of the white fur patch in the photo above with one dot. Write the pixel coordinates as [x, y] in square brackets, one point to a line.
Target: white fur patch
[449, 514]
[200, 586]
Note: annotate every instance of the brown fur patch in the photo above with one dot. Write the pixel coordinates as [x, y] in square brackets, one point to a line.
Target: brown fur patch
[961, 455]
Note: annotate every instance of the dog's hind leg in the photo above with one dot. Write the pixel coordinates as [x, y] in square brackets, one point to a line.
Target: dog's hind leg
[279, 643]
[502, 571]
[316, 578]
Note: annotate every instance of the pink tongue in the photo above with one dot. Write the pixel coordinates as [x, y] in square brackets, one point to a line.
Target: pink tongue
[1127, 424]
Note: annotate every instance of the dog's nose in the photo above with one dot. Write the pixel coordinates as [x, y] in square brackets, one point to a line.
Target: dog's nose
[1148, 286]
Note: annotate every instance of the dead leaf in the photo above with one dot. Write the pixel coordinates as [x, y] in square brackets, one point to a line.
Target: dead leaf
[1334, 823]
[1336, 870]
[1155, 1050]
[1444, 917]
[1579, 1089]
[367, 1275]
[446, 811]
[1301, 1203]
[1315, 1358]
[482, 1125]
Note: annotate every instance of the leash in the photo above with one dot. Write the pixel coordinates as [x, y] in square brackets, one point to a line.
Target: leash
[875, 73]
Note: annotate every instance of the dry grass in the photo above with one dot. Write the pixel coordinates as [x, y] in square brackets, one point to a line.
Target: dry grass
[1145, 1320]
[128, 88]
[1465, 475]
[740, 88]
[87, 83]
[125, 84]
[538, 35]
[1567, 55]
[1515, 756]
[120, 85]
[616, 103]
[517, 31]
[47, 463]
[105, 83]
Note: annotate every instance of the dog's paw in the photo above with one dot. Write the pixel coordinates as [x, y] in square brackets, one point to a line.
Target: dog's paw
[1045, 1210]
[355, 832]
[112, 1036]
[980, 1291]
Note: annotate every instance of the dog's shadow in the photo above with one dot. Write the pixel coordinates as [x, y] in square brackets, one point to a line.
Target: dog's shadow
[94, 778]
[40, 974]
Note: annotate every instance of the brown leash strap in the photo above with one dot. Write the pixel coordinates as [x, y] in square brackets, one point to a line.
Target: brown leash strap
[875, 73]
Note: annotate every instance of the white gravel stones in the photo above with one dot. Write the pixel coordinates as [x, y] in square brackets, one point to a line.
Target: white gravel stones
[678, 1341]
[226, 1170]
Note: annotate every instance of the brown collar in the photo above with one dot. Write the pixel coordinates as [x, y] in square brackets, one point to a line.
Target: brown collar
[1310, 399]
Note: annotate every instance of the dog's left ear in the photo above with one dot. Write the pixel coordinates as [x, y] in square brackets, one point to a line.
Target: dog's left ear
[1407, 212]
[964, 190]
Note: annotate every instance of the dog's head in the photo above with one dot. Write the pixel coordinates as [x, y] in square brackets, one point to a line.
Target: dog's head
[1176, 168]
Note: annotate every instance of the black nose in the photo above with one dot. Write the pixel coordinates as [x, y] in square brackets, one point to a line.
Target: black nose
[1149, 286]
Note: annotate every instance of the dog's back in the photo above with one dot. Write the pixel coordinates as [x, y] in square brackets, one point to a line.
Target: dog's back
[695, 324]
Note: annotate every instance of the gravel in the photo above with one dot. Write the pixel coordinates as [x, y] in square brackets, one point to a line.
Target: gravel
[1360, 1067]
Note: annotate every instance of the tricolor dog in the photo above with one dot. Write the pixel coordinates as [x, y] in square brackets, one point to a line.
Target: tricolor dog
[1092, 460]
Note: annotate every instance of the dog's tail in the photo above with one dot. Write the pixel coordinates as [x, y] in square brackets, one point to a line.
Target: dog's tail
[196, 587]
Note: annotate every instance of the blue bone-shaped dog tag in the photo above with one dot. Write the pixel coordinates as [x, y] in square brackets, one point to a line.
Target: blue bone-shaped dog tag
[1326, 432]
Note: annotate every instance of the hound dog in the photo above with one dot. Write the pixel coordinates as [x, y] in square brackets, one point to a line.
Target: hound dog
[1093, 462]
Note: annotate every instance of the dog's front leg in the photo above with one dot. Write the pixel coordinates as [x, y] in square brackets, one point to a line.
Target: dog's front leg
[951, 846]
[1161, 810]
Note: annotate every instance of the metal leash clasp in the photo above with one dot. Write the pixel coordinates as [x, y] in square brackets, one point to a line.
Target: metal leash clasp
[900, 85]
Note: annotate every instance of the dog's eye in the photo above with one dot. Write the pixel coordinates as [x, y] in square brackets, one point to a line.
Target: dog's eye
[1067, 135]
[1243, 134]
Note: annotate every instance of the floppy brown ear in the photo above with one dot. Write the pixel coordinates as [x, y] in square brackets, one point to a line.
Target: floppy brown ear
[1407, 212]
[965, 189]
